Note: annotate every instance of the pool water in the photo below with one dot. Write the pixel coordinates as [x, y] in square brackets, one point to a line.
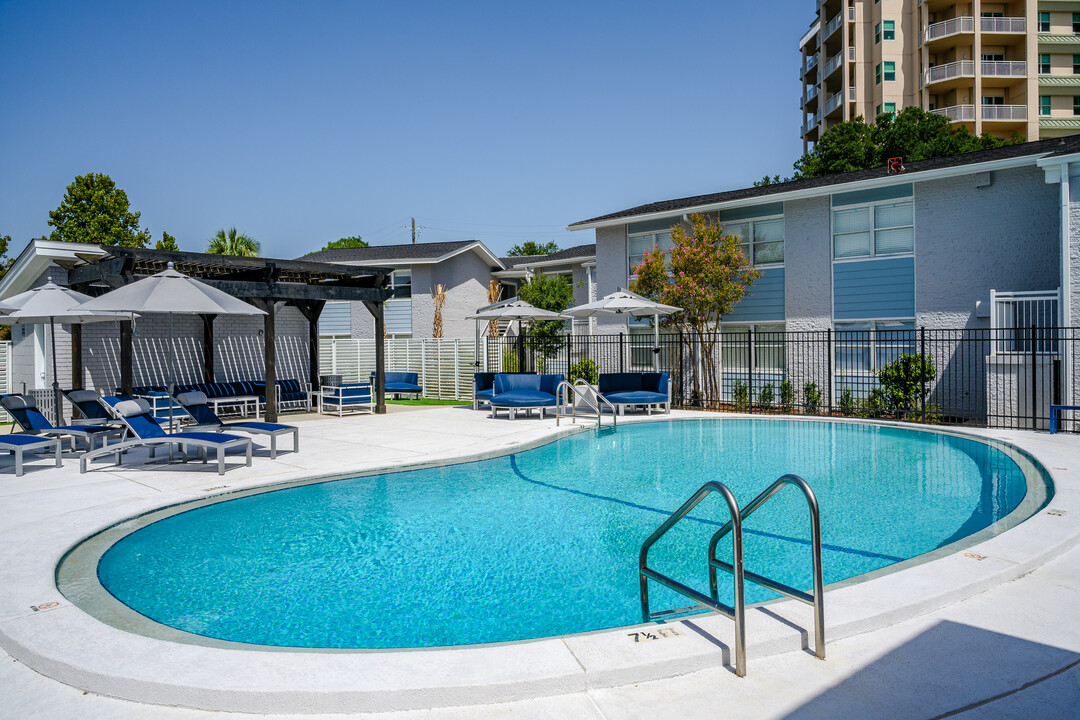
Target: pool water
[545, 542]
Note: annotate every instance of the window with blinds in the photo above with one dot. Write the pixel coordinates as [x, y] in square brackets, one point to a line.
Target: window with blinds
[880, 229]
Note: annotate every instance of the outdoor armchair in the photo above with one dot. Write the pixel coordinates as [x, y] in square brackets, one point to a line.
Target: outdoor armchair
[140, 422]
[24, 410]
[349, 396]
[400, 383]
[195, 403]
[629, 389]
[514, 392]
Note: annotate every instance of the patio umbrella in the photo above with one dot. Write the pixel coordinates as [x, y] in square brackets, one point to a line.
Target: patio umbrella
[52, 303]
[624, 302]
[512, 309]
[172, 293]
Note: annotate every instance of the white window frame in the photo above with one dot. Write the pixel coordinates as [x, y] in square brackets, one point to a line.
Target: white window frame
[873, 254]
[734, 328]
[629, 241]
[750, 243]
[872, 344]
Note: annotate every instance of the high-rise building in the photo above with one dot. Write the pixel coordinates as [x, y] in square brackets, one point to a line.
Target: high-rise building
[999, 67]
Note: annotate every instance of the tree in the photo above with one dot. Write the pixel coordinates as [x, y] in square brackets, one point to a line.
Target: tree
[345, 242]
[533, 248]
[95, 211]
[547, 292]
[706, 274]
[913, 134]
[167, 242]
[5, 265]
[233, 243]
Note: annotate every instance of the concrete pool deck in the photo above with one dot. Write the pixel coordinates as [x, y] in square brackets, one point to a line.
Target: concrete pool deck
[949, 634]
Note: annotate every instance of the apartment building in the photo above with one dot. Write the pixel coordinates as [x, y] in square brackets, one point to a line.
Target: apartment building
[1001, 68]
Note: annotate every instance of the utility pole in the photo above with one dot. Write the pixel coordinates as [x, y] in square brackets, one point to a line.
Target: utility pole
[413, 230]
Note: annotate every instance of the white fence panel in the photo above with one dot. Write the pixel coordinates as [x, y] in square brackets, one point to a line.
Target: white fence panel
[444, 367]
[5, 375]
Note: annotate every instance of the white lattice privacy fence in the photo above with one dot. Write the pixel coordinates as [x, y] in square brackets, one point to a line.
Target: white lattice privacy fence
[445, 367]
[5, 374]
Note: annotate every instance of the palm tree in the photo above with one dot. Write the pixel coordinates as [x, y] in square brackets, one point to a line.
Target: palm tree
[233, 243]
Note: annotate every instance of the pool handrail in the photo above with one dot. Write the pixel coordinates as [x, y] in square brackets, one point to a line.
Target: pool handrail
[578, 388]
[737, 610]
[815, 599]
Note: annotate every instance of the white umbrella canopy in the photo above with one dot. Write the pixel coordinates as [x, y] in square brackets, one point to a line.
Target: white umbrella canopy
[172, 293]
[624, 302]
[49, 304]
[512, 309]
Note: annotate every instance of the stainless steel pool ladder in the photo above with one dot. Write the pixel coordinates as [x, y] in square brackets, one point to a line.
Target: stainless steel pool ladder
[737, 611]
[584, 392]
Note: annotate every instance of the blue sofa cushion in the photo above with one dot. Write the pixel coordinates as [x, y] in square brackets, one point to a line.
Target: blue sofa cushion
[655, 382]
[635, 397]
[523, 398]
[619, 382]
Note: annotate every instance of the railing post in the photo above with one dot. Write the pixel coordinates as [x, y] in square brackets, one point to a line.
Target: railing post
[829, 361]
[749, 368]
[622, 351]
[922, 370]
[1034, 379]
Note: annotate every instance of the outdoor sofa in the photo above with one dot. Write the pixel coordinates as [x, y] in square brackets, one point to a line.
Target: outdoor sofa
[514, 392]
[629, 389]
[400, 383]
[484, 387]
[291, 394]
[346, 397]
[206, 419]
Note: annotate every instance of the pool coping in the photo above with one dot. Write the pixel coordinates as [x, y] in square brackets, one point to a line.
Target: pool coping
[65, 643]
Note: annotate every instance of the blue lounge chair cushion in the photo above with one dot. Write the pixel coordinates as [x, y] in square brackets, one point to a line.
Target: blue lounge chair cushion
[259, 426]
[207, 437]
[13, 440]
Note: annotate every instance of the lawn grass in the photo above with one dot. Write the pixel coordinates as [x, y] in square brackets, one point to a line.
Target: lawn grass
[424, 401]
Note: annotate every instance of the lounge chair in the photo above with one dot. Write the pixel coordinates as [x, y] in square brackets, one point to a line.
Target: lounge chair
[629, 389]
[514, 392]
[196, 405]
[24, 409]
[19, 444]
[137, 418]
[87, 402]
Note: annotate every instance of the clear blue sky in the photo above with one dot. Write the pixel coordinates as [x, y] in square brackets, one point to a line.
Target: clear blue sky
[302, 122]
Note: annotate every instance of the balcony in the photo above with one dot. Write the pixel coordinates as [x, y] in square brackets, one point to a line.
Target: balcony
[833, 103]
[1003, 25]
[951, 71]
[811, 63]
[957, 113]
[948, 28]
[811, 93]
[1007, 68]
[1004, 113]
[832, 64]
[832, 26]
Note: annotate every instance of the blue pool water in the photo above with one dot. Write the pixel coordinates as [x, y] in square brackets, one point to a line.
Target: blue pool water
[545, 542]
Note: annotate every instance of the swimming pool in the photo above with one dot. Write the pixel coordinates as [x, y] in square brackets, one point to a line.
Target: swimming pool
[544, 542]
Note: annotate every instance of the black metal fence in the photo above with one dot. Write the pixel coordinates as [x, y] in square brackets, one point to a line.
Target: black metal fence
[1004, 378]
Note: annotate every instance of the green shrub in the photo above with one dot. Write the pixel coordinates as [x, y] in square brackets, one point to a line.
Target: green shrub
[585, 369]
[847, 402]
[811, 398]
[765, 397]
[510, 360]
[787, 396]
[742, 395]
[902, 383]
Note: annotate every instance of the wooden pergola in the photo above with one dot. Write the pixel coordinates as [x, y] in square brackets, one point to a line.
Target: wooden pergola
[266, 283]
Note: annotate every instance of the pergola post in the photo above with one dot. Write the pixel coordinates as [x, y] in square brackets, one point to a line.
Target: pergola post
[126, 382]
[76, 357]
[312, 309]
[270, 359]
[376, 310]
[208, 347]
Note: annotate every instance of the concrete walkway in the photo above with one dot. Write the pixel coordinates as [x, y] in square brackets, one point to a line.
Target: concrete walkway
[1011, 650]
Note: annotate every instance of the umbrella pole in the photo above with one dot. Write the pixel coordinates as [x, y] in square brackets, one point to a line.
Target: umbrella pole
[172, 374]
[55, 381]
[656, 343]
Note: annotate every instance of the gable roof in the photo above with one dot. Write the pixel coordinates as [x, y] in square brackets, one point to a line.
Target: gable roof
[1009, 155]
[406, 254]
[577, 252]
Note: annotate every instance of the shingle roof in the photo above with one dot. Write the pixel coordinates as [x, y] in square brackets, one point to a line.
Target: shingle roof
[409, 251]
[1053, 146]
[567, 254]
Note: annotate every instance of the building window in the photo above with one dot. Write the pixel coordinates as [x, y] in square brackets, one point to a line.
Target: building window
[1076, 105]
[1044, 64]
[1044, 22]
[768, 348]
[1076, 64]
[641, 243]
[993, 57]
[401, 281]
[761, 240]
[1076, 23]
[993, 100]
[886, 109]
[877, 34]
[885, 71]
[886, 228]
[994, 14]
[863, 348]
[1044, 105]
[888, 29]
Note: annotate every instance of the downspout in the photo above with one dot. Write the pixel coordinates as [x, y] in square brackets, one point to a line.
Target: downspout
[1066, 283]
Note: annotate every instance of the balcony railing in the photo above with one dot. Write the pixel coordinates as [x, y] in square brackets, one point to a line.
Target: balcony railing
[954, 26]
[1003, 24]
[832, 26]
[1006, 68]
[851, 53]
[1004, 112]
[811, 63]
[957, 113]
[811, 93]
[833, 102]
[851, 14]
[832, 64]
[962, 68]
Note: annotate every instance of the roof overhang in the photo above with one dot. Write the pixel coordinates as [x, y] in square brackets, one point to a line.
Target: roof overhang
[477, 247]
[552, 263]
[822, 190]
[38, 256]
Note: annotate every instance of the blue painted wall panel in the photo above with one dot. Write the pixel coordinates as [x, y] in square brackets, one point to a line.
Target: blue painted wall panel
[765, 300]
[874, 289]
